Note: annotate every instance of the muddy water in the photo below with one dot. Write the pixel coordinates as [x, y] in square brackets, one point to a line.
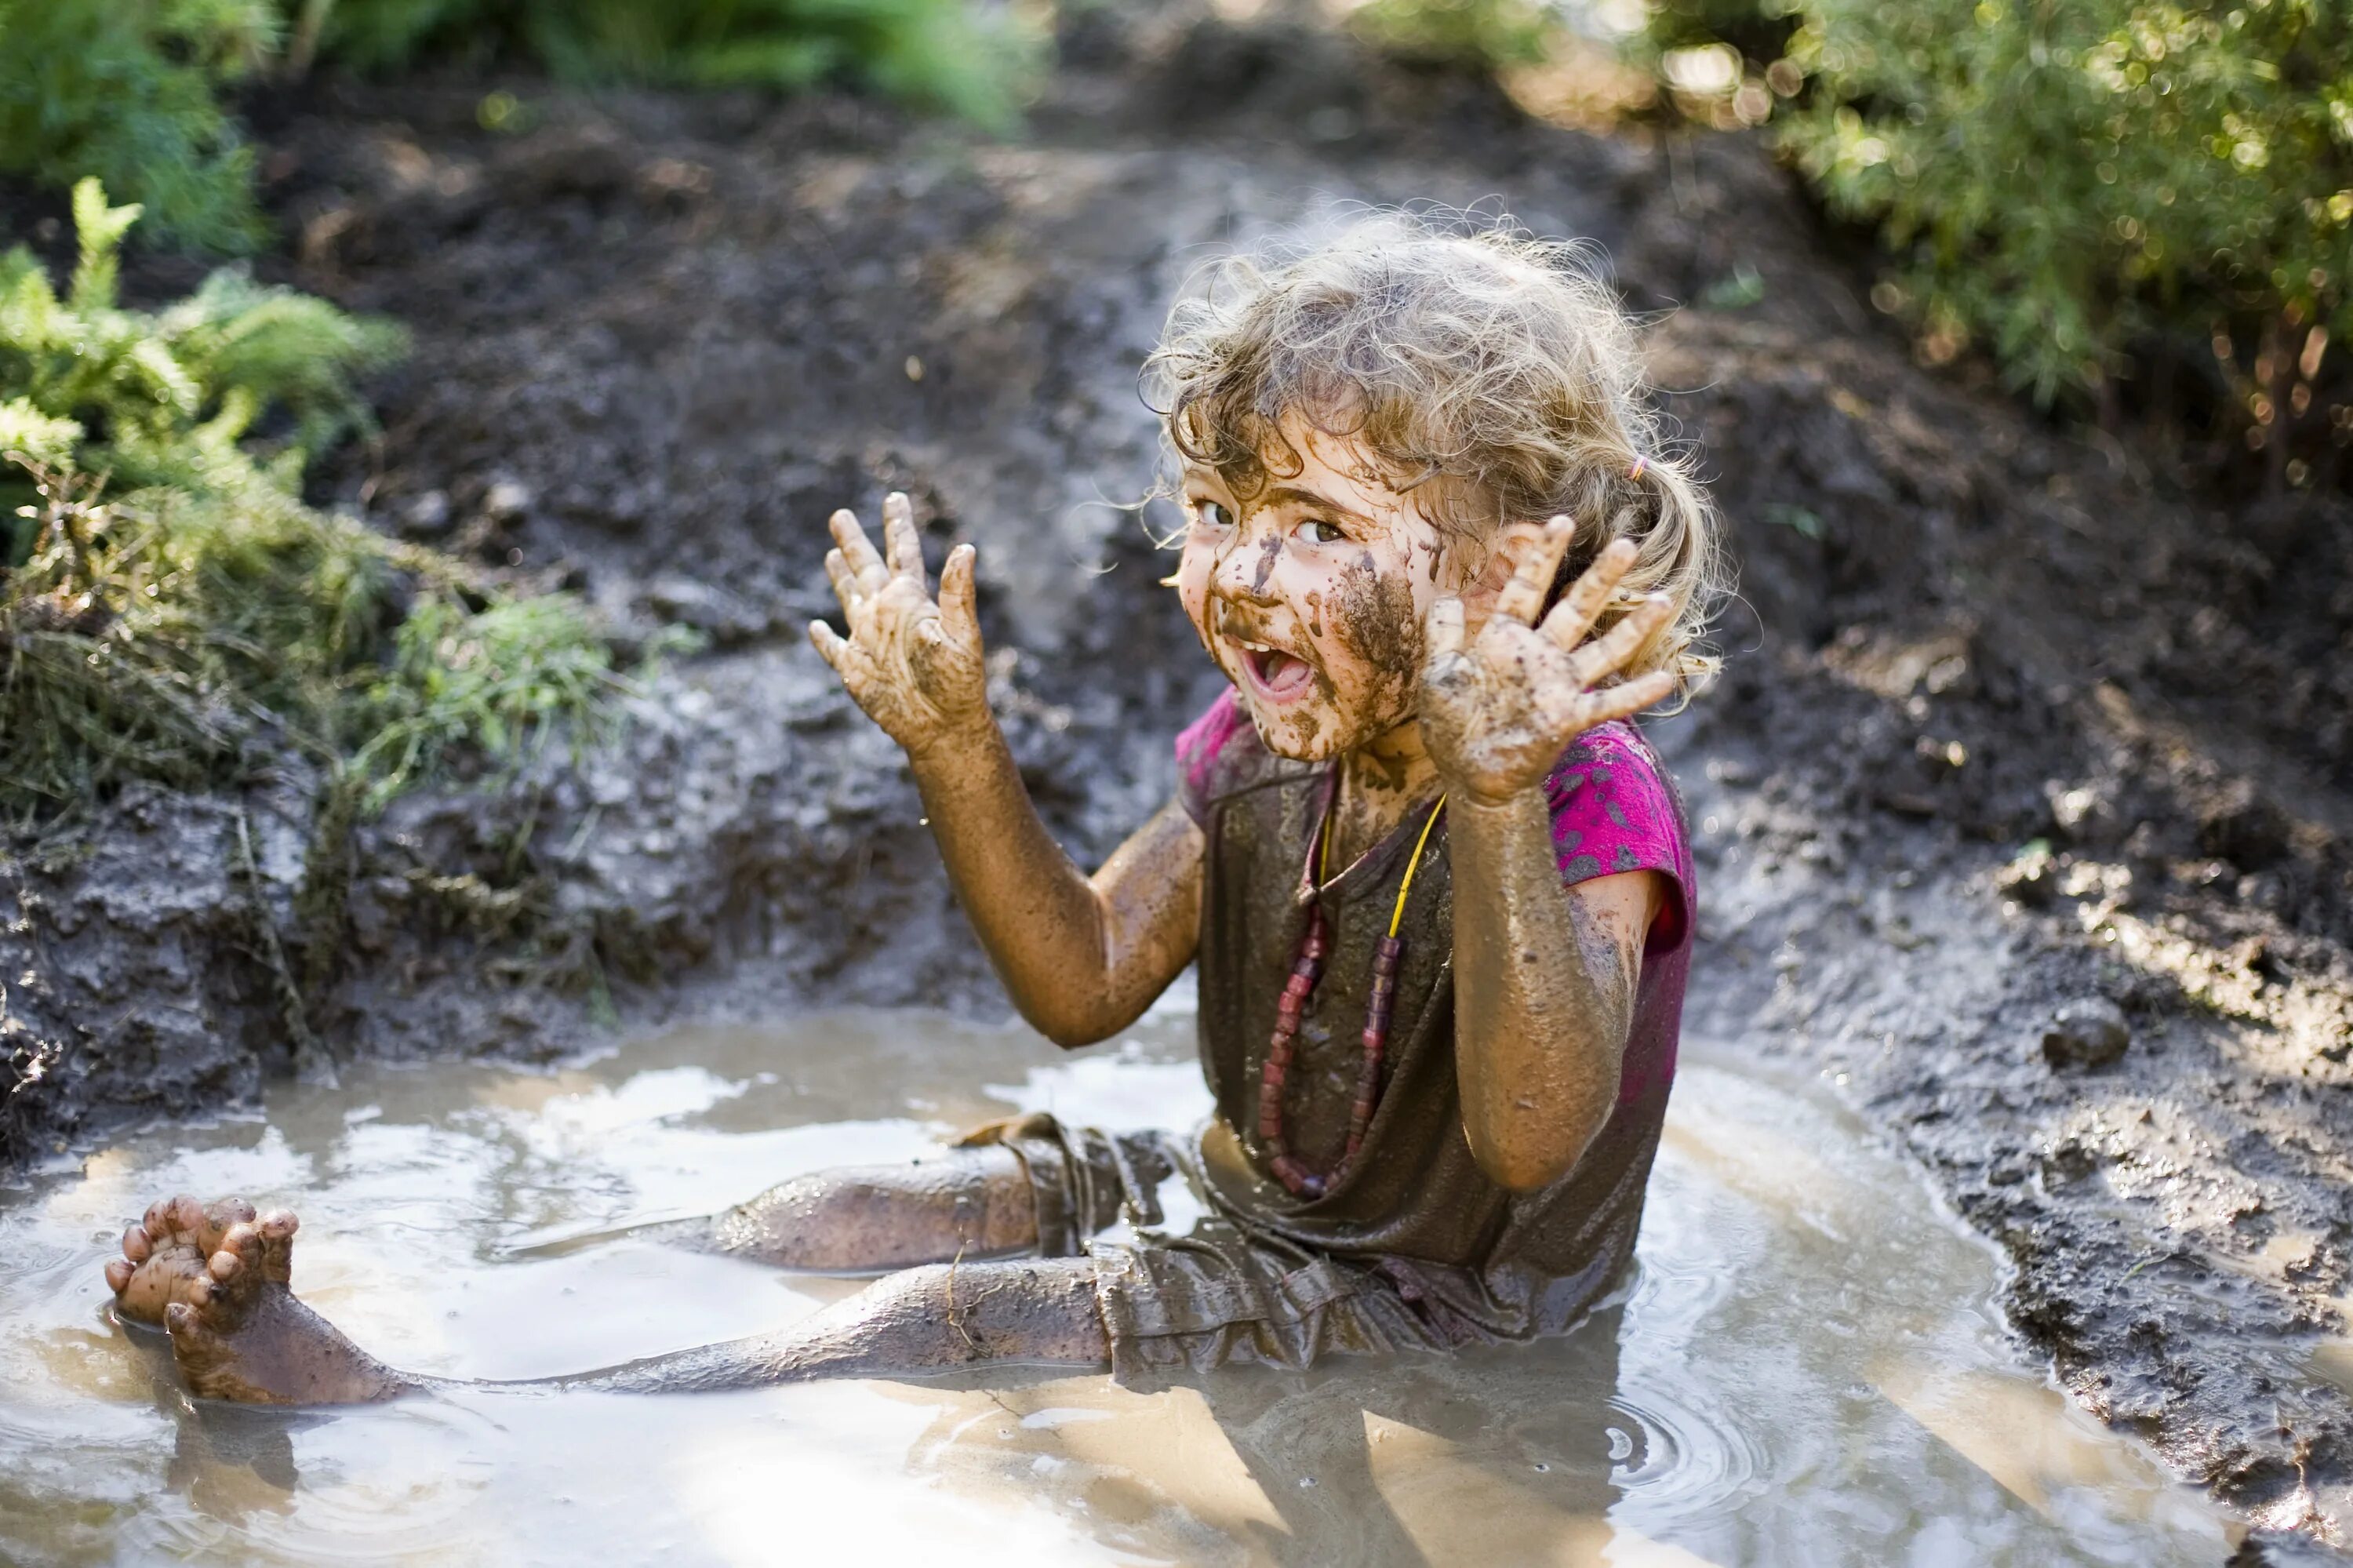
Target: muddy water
[1808, 1368]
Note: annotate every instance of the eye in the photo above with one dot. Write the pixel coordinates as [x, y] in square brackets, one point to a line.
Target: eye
[1212, 514]
[1322, 531]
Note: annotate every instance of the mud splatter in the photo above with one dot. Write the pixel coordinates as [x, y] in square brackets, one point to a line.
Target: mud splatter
[1377, 624]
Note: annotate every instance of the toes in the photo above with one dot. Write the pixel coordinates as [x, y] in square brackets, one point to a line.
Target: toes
[157, 1222]
[191, 1338]
[250, 1251]
[243, 1254]
[117, 1275]
[218, 1304]
[278, 1228]
[219, 1215]
[204, 1359]
[187, 1218]
[136, 1245]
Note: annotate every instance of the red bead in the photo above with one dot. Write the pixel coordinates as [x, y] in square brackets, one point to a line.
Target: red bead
[1307, 968]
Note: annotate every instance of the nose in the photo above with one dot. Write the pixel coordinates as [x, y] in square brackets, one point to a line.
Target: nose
[1245, 567]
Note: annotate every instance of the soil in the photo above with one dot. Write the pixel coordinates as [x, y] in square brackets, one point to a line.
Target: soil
[2017, 721]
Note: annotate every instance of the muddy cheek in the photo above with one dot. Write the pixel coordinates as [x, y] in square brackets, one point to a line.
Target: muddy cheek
[1379, 627]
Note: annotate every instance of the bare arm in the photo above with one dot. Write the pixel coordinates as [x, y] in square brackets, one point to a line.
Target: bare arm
[1544, 982]
[1544, 989]
[1082, 956]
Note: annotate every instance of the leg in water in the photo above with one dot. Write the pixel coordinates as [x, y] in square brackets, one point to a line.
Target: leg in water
[240, 1333]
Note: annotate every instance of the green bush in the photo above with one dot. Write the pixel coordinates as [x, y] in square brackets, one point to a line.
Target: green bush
[2090, 189]
[130, 91]
[167, 601]
[938, 53]
[1482, 33]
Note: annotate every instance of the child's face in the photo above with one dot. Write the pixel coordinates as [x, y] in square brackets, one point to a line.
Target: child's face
[1310, 595]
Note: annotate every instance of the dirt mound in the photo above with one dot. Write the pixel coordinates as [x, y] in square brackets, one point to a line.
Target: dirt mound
[2014, 719]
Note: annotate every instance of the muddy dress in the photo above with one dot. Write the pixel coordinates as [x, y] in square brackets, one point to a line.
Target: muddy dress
[1412, 1246]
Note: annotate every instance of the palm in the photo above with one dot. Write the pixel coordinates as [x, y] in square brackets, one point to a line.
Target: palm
[1497, 708]
[913, 662]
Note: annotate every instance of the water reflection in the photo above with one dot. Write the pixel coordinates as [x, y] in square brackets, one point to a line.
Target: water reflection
[1807, 1368]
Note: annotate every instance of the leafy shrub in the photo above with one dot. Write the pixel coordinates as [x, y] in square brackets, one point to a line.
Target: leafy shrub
[130, 90]
[2102, 192]
[1489, 33]
[168, 599]
[934, 52]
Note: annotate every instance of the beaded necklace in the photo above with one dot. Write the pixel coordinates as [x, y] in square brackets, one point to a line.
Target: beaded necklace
[1306, 969]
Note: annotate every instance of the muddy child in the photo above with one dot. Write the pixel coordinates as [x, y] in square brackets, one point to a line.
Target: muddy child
[1434, 882]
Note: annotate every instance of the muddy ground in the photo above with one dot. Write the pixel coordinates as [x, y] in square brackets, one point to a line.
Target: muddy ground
[2019, 722]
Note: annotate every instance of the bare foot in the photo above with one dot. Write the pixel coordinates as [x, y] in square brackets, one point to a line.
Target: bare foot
[164, 1253]
[238, 1331]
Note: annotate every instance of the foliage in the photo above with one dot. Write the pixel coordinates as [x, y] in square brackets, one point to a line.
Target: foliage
[1484, 33]
[130, 92]
[934, 52]
[2088, 189]
[173, 393]
[171, 598]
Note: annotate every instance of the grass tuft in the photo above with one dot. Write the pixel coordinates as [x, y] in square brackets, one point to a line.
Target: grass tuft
[169, 608]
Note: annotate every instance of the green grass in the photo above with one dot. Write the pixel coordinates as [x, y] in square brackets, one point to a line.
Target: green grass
[169, 608]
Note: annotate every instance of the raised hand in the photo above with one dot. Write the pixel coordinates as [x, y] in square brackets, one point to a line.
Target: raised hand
[910, 662]
[1497, 709]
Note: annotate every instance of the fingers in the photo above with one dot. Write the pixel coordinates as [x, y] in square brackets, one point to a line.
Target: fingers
[857, 553]
[1626, 700]
[901, 543]
[831, 647]
[960, 596]
[846, 586]
[1538, 555]
[1605, 654]
[1581, 606]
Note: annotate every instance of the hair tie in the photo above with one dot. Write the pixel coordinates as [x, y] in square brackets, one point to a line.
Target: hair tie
[1636, 472]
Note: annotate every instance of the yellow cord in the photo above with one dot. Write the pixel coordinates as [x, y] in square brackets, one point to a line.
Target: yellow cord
[1396, 915]
[1323, 857]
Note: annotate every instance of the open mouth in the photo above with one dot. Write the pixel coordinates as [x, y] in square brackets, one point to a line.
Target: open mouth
[1280, 677]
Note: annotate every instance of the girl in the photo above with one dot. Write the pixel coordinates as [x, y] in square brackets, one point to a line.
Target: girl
[1437, 888]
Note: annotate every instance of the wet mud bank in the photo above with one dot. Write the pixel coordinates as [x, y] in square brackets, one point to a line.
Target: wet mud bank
[2022, 808]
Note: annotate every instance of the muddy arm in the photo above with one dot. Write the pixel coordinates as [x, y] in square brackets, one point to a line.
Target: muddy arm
[1543, 990]
[1543, 983]
[1082, 956]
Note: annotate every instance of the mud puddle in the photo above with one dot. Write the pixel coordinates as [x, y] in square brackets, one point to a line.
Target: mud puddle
[1807, 1370]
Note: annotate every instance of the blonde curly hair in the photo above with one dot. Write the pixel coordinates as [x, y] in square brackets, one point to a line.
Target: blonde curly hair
[1491, 376]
